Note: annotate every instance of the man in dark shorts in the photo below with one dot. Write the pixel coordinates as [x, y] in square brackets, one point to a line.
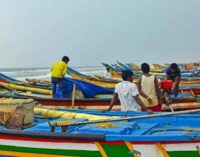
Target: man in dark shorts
[58, 71]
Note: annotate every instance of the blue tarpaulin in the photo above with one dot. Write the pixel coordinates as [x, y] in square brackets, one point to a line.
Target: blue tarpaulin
[88, 89]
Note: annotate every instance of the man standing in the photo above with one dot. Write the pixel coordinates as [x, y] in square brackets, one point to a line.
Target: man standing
[58, 71]
[149, 89]
[173, 73]
[128, 94]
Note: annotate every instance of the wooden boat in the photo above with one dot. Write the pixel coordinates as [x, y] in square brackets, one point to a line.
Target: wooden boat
[116, 73]
[156, 136]
[101, 102]
[33, 86]
[186, 100]
[7, 79]
[100, 81]
[187, 84]
[85, 103]
[182, 102]
[104, 83]
[27, 88]
[156, 69]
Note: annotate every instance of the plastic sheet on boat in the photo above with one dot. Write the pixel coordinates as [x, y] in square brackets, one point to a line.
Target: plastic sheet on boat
[42, 125]
[120, 128]
[89, 90]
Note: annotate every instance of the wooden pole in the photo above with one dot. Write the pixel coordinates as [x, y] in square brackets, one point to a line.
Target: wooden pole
[134, 117]
[168, 101]
[171, 108]
[73, 95]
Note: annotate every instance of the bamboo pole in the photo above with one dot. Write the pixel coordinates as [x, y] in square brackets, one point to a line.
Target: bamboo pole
[73, 95]
[171, 108]
[133, 117]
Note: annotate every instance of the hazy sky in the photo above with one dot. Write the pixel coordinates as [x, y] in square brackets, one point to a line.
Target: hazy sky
[36, 33]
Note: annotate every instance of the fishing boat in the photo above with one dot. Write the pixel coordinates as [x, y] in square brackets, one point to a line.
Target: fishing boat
[187, 84]
[72, 133]
[13, 84]
[156, 70]
[7, 79]
[90, 96]
[94, 80]
[89, 90]
[181, 102]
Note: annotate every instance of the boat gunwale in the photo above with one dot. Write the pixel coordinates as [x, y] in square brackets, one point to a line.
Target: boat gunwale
[18, 134]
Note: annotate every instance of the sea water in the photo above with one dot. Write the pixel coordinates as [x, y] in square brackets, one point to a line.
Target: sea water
[44, 73]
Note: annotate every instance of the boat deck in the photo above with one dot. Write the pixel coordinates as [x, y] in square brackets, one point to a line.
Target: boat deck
[166, 128]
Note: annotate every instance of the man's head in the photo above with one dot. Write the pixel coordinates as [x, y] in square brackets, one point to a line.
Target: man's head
[145, 67]
[127, 75]
[65, 59]
[107, 69]
[173, 67]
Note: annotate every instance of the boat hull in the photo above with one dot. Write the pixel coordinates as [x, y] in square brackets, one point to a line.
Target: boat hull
[13, 143]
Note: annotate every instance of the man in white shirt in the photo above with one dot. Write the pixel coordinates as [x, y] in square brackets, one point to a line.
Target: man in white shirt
[128, 94]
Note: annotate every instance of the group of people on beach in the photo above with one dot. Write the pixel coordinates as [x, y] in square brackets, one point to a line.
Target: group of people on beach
[145, 96]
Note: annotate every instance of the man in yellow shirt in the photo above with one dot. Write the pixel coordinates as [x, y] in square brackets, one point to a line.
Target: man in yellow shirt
[58, 71]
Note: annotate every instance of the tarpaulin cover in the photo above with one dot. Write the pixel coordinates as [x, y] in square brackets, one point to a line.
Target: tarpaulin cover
[89, 90]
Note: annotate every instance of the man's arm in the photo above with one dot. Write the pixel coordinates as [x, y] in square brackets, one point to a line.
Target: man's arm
[158, 92]
[141, 93]
[113, 100]
[138, 100]
[176, 85]
[65, 70]
[168, 75]
[140, 89]
[52, 67]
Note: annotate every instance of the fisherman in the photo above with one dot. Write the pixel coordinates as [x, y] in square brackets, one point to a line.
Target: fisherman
[149, 89]
[173, 73]
[58, 71]
[128, 94]
[107, 73]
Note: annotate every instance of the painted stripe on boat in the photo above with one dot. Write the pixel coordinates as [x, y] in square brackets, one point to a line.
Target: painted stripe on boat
[131, 148]
[44, 151]
[184, 154]
[5, 155]
[116, 150]
[148, 150]
[166, 142]
[103, 153]
[17, 154]
[162, 149]
[173, 150]
[50, 145]
[181, 147]
[39, 139]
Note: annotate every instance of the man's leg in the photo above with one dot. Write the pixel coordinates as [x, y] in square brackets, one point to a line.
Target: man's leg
[54, 83]
[62, 86]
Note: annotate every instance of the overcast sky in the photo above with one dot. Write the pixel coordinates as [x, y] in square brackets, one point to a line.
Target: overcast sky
[36, 33]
